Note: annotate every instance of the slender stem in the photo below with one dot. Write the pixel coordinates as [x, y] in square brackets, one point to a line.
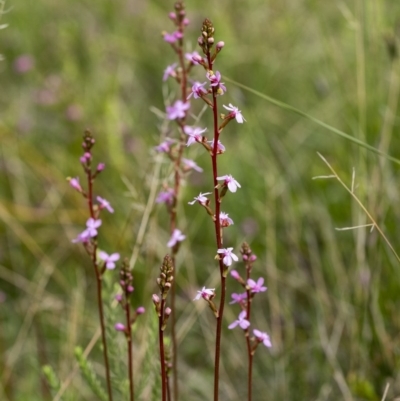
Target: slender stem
[162, 352]
[219, 239]
[98, 274]
[129, 344]
[249, 350]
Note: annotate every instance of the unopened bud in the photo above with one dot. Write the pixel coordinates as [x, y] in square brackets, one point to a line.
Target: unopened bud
[140, 310]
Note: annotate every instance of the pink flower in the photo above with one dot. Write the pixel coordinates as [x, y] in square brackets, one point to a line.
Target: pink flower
[238, 298]
[91, 230]
[228, 256]
[230, 182]
[104, 204]
[119, 327]
[190, 164]
[177, 110]
[256, 286]
[100, 167]
[172, 37]
[220, 147]
[74, 182]
[234, 113]
[198, 90]
[235, 275]
[176, 237]
[262, 337]
[166, 196]
[215, 80]
[170, 71]
[24, 64]
[194, 134]
[225, 220]
[140, 310]
[205, 293]
[241, 321]
[164, 147]
[109, 260]
[202, 199]
[192, 57]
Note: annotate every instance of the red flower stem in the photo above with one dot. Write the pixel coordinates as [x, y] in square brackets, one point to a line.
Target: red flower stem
[99, 287]
[129, 344]
[162, 352]
[218, 236]
[247, 334]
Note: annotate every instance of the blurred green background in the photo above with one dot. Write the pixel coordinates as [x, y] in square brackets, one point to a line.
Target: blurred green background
[333, 300]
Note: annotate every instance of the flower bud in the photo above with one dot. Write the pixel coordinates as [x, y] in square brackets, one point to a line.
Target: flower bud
[119, 327]
[220, 45]
[140, 310]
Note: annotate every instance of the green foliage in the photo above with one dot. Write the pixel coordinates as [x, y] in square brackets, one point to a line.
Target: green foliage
[51, 377]
[90, 375]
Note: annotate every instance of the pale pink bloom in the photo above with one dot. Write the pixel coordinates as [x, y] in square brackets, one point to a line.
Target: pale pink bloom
[74, 182]
[235, 113]
[215, 79]
[104, 204]
[230, 182]
[82, 237]
[166, 196]
[190, 164]
[238, 298]
[241, 321]
[205, 293]
[24, 64]
[198, 90]
[194, 134]
[92, 225]
[170, 71]
[119, 327]
[262, 337]
[176, 237]
[165, 146]
[228, 256]
[225, 220]
[256, 286]
[202, 199]
[192, 57]
[172, 37]
[109, 260]
[177, 110]
[235, 275]
[220, 147]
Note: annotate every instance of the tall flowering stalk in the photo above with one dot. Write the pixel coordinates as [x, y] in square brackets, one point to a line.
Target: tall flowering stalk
[244, 300]
[101, 261]
[221, 184]
[165, 283]
[177, 111]
[124, 299]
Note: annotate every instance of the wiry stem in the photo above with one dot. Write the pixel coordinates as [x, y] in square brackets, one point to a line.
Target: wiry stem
[162, 352]
[129, 344]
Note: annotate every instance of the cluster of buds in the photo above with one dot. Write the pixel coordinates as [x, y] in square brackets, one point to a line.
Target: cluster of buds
[164, 282]
[86, 158]
[248, 257]
[125, 281]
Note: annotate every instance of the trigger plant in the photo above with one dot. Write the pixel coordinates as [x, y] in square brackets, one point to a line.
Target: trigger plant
[101, 261]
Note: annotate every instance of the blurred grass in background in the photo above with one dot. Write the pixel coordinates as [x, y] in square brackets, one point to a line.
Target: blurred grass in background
[332, 306]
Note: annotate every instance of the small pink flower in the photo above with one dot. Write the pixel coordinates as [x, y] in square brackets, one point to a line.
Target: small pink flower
[173, 37]
[176, 237]
[177, 110]
[92, 225]
[198, 90]
[194, 134]
[220, 147]
[24, 64]
[192, 57]
[165, 146]
[230, 182]
[225, 220]
[202, 199]
[256, 286]
[190, 164]
[215, 79]
[235, 275]
[241, 321]
[100, 167]
[140, 310]
[234, 113]
[170, 71]
[118, 297]
[238, 298]
[82, 237]
[104, 204]
[262, 337]
[228, 256]
[119, 327]
[109, 260]
[166, 196]
[205, 293]
[74, 182]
